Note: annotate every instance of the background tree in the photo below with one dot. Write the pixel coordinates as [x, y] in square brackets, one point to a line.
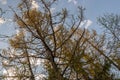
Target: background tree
[111, 25]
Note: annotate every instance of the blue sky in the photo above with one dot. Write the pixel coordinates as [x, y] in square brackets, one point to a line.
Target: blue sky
[94, 9]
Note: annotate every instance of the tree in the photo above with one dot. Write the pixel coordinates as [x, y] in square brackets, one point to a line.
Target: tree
[68, 51]
[111, 24]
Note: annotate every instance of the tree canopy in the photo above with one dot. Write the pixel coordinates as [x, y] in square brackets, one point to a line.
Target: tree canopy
[54, 47]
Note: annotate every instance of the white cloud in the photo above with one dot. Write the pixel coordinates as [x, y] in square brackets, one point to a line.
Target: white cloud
[74, 1]
[20, 33]
[3, 2]
[13, 72]
[10, 72]
[57, 28]
[36, 62]
[40, 77]
[52, 10]
[2, 21]
[35, 4]
[82, 23]
[86, 23]
[17, 32]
